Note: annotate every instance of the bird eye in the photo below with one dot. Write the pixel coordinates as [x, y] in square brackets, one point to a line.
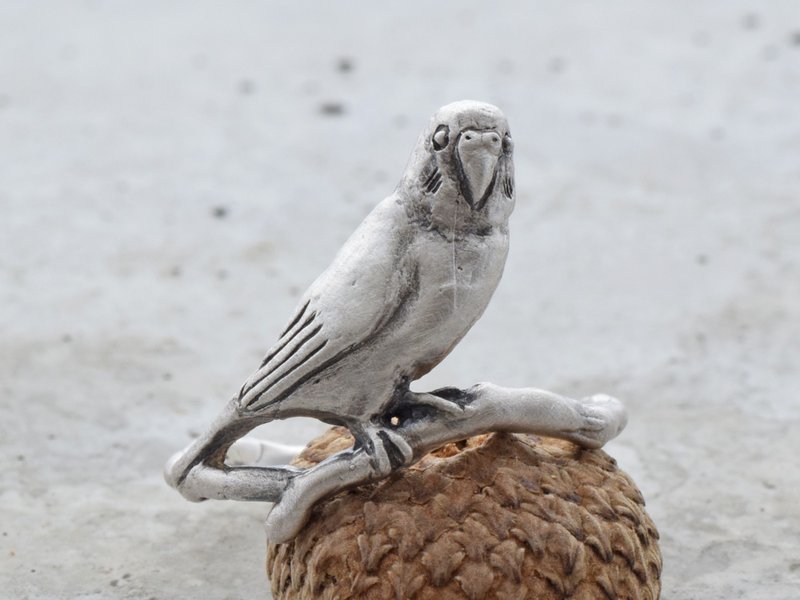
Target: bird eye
[441, 137]
[508, 144]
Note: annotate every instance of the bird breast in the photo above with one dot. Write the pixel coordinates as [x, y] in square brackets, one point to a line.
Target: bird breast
[456, 280]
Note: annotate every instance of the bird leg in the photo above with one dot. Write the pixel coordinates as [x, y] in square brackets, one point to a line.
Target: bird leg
[377, 452]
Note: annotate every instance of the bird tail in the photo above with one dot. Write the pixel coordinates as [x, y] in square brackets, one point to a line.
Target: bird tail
[211, 447]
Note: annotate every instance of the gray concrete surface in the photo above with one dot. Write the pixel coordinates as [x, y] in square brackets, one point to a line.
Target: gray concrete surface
[173, 174]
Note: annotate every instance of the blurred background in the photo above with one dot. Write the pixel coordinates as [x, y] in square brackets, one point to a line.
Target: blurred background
[174, 174]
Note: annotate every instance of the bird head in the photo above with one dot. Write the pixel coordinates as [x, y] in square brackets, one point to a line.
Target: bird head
[461, 174]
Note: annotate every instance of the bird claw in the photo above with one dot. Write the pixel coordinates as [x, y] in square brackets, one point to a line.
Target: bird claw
[593, 423]
[389, 450]
[602, 417]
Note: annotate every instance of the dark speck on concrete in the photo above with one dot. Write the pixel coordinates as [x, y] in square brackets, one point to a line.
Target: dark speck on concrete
[66, 338]
[345, 65]
[332, 109]
[751, 21]
[701, 259]
[795, 38]
[114, 582]
[556, 64]
[122, 187]
[717, 134]
[219, 212]
[246, 87]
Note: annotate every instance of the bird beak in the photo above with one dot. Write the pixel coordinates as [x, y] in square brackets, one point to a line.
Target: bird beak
[477, 153]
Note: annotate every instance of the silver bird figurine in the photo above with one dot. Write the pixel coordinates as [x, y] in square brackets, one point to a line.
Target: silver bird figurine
[400, 294]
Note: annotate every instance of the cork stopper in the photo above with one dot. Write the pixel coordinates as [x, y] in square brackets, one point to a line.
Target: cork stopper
[495, 516]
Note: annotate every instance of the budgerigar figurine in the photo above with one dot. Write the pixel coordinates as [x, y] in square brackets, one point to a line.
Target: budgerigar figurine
[400, 294]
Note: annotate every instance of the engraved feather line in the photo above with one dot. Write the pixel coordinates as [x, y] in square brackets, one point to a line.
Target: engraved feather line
[433, 182]
[291, 352]
[248, 387]
[382, 325]
[294, 322]
[507, 181]
[284, 342]
[286, 373]
[508, 187]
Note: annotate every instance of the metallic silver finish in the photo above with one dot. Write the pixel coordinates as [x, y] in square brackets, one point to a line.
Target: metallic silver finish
[401, 293]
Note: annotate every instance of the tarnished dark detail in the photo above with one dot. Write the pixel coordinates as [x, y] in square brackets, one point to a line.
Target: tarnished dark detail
[508, 187]
[433, 182]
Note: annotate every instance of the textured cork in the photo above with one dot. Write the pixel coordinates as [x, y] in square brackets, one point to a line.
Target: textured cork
[498, 516]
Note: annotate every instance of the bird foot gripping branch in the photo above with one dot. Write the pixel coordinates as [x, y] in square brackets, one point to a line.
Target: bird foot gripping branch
[405, 288]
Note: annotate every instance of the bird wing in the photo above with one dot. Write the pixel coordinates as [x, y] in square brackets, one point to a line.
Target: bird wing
[350, 303]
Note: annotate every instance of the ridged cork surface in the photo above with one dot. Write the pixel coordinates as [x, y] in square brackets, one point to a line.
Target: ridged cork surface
[499, 516]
